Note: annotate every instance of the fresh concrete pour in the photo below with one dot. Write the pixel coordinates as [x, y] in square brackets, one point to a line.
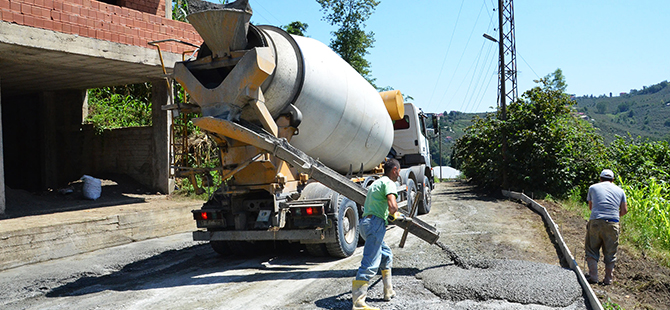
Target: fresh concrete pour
[515, 281]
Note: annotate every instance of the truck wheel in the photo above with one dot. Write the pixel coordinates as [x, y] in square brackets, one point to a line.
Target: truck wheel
[220, 247]
[346, 230]
[425, 203]
[411, 196]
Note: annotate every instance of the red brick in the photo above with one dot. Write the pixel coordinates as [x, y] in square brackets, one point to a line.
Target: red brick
[4, 4]
[58, 6]
[44, 13]
[49, 4]
[39, 3]
[55, 15]
[28, 20]
[86, 3]
[77, 2]
[15, 6]
[38, 23]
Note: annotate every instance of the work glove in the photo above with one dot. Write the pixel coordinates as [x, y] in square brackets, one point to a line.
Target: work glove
[397, 216]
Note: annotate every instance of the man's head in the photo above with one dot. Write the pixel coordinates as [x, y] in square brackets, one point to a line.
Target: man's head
[606, 175]
[392, 168]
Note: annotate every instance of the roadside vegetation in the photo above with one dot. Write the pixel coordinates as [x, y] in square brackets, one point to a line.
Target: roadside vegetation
[552, 151]
[119, 107]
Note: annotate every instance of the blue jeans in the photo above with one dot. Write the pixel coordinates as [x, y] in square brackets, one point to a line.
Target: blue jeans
[376, 254]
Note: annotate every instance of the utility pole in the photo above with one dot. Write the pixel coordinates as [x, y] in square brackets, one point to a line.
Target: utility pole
[506, 46]
[506, 72]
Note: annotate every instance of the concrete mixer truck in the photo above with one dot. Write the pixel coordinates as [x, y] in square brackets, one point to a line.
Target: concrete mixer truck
[301, 135]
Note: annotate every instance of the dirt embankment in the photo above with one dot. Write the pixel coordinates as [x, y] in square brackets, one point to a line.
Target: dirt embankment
[639, 282]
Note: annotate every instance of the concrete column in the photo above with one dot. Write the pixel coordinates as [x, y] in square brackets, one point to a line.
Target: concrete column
[168, 9]
[3, 201]
[162, 122]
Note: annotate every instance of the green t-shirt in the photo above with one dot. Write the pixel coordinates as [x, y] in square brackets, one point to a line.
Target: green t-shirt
[376, 202]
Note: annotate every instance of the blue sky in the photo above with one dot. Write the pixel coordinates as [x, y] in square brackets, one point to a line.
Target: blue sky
[434, 50]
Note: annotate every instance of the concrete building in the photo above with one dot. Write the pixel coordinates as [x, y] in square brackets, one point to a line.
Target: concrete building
[51, 51]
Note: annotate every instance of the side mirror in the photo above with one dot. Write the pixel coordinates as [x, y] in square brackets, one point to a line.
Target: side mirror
[431, 132]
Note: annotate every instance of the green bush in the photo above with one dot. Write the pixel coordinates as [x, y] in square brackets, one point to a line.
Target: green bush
[119, 107]
[549, 150]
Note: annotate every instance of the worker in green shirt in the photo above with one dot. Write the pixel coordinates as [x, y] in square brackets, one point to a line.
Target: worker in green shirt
[379, 203]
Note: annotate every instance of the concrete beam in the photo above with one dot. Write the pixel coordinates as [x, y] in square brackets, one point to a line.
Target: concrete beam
[35, 59]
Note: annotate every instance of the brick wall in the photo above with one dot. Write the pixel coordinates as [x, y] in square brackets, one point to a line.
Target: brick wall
[89, 18]
[156, 7]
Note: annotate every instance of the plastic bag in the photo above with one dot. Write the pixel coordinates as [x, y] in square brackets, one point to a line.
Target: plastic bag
[92, 187]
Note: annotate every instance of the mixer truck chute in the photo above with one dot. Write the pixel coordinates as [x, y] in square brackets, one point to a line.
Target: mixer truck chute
[300, 135]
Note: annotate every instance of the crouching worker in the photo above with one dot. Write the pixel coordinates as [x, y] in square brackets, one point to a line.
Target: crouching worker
[379, 203]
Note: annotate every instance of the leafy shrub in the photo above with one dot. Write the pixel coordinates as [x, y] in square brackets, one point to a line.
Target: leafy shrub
[639, 161]
[119, 107]
[549, 149]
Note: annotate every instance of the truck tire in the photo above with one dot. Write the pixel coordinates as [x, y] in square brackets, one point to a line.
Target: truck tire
[220, 247]
[411, 196]
[346, 230]
[426, 199]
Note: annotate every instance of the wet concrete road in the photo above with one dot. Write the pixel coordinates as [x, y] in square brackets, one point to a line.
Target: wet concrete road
[515, 267]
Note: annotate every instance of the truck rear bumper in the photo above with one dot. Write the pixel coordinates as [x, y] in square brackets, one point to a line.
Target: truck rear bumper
[315, 236]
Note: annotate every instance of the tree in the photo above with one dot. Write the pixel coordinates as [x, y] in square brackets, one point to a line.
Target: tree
[549, 150]
[351, 42]
[296, 28]
[601, 107]
[554, 81]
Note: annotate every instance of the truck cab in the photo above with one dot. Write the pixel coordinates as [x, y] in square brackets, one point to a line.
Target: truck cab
[411, 149]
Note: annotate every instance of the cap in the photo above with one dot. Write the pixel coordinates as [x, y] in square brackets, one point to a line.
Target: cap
[607, 174]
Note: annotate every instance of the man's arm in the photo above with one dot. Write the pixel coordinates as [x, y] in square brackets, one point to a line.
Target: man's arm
[393, 205]
[623, 208]
[590, 205]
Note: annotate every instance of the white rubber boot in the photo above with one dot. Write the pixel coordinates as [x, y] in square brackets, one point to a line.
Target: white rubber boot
[359, 290]
[388, 285]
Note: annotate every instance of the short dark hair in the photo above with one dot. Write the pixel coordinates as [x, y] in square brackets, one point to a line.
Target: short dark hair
[606, 179]
[389, 164]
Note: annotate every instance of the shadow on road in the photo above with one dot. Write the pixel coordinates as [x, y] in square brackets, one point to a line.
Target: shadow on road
[200, 265]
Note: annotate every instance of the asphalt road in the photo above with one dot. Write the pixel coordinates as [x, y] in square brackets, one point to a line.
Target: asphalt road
[514, 267]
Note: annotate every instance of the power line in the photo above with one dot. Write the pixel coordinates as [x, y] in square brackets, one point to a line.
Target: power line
[479, 89]
[447, 52]
[462, 54]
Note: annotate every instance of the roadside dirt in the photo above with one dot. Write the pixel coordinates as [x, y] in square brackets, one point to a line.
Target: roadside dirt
[639, 282]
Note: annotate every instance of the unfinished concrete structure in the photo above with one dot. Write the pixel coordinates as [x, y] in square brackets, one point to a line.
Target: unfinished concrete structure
[51, 51]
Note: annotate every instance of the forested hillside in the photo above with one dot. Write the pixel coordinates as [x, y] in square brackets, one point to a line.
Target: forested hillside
[644, 113]
[453, 126]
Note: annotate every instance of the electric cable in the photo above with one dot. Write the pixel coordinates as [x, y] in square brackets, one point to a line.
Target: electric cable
[479, 83]
[446, 53]
[462, 54]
